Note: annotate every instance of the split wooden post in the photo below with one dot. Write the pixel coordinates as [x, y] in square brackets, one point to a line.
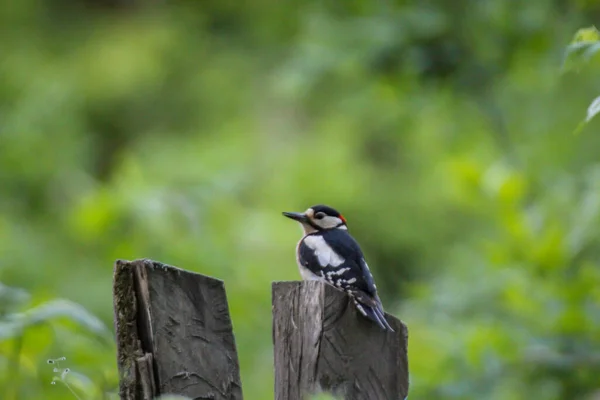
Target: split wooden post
[323, 344]
[174, 333]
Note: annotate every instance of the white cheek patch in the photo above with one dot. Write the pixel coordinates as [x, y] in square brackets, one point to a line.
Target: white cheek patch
[329, 222]
[324, 253]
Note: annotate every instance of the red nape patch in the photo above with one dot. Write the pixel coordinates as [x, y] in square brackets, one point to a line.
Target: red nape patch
[342, 218]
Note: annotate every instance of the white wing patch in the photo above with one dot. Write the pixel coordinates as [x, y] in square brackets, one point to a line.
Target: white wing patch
[324, 253]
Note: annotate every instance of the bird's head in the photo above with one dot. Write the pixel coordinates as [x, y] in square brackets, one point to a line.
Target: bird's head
[318, 218]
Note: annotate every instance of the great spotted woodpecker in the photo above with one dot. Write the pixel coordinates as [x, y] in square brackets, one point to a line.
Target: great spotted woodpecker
[328, 253]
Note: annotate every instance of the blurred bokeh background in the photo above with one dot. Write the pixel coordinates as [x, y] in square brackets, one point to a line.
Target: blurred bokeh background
[180, 130]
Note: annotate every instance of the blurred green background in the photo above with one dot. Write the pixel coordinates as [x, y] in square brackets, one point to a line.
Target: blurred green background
[179, 131]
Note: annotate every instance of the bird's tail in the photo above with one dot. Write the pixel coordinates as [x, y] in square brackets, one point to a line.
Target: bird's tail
[371, 308]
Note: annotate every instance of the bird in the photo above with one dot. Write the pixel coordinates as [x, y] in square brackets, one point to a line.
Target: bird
[328, 253]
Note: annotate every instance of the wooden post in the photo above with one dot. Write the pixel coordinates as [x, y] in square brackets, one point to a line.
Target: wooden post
[322, 343]
[174, 334]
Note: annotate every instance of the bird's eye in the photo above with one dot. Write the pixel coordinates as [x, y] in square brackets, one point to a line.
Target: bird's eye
[319, 215]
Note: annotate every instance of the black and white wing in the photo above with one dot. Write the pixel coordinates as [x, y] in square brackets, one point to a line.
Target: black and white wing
[336, 258]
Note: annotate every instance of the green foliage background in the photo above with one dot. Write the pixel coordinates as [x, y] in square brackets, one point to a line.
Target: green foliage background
[179, 131]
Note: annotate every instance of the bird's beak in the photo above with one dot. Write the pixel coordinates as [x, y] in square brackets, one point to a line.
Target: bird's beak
[300, 217]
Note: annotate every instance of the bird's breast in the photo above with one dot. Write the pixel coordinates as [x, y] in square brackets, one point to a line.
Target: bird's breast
[305, 273]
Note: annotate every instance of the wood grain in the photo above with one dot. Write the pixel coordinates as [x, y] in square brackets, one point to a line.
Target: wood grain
[323, 344]
[174, 333]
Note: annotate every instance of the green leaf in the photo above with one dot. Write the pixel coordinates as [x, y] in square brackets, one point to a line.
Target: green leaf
[80, 383]
[10, 296]
[584, 46]
[590, 34]
[592, 111]
[49, 311]
[9, 330]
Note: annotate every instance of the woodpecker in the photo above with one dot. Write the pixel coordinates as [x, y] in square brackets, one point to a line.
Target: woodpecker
[328, 253]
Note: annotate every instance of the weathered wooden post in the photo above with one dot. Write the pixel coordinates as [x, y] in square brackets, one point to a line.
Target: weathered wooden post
[174, 333]
[323, 344]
